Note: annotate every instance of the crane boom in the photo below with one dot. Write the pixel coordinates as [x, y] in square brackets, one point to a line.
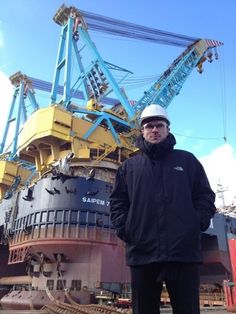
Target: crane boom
[171, 81]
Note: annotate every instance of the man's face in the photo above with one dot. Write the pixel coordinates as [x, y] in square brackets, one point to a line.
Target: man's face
[155, 131]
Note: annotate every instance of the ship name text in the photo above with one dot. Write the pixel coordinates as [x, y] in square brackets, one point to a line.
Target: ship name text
[95, 201]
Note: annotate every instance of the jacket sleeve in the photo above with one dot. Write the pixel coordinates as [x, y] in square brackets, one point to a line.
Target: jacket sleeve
[203, 197]
[119, 204]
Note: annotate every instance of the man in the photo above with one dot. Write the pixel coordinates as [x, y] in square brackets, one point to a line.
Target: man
[160, 203]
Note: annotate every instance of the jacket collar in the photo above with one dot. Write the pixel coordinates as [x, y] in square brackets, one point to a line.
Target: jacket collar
[156, 151]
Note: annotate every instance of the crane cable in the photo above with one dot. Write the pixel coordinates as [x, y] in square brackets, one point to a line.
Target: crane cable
[224, 108]
[223, 96]
[121, 28]
[200, 138]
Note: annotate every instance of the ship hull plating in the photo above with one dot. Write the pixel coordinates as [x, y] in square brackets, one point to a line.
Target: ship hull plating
[61, 228]
[217, 264]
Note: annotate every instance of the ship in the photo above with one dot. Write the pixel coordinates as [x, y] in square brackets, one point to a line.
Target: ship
[57, 239]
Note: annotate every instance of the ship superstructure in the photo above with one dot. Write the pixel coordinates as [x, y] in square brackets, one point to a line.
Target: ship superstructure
[56, 180]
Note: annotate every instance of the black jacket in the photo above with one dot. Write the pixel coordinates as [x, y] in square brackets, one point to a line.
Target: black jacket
[160, 203]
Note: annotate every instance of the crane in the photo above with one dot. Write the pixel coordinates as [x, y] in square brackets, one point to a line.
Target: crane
[94, 81]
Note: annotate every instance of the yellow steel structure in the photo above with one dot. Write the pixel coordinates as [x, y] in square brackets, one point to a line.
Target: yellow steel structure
[52, 132]
[8, 172]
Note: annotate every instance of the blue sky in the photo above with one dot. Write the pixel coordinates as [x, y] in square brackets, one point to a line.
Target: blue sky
[202, 114]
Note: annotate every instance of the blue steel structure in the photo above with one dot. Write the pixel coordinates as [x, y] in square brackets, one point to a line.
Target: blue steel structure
[18, 110]
[98, 74]
[95, 81]
[171, 81]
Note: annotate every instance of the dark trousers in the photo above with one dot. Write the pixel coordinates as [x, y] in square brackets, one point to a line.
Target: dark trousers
[182, 283]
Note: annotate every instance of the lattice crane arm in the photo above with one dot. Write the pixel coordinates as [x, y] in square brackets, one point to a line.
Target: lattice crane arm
[171, 81]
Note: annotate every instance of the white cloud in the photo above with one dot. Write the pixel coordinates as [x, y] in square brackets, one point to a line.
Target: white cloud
[6, 92]
[220, 167]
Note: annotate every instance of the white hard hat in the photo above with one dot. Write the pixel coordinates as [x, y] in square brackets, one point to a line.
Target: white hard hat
[154, 111]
